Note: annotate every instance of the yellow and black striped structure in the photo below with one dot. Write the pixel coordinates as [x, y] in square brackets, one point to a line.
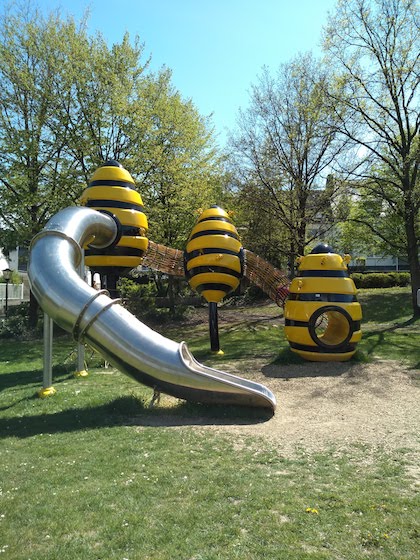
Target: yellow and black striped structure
[111, 190]
[214, 262]
[322, 314]
[214, 255]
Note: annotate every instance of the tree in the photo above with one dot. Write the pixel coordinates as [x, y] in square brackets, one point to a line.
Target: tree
[68, 102]
[35, 179]
[285, 148]
[178, 168]
[374, 46]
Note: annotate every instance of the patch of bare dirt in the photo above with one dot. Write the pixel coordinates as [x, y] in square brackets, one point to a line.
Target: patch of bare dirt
[319, 404]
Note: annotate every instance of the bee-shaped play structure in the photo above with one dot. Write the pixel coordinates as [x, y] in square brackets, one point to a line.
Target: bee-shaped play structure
[111, 190]
[214, 262]
[322, 314]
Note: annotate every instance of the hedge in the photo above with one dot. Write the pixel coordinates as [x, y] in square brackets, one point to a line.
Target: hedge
[381, 279]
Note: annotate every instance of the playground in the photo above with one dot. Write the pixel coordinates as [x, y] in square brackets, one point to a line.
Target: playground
[95, 473]
[273, 441]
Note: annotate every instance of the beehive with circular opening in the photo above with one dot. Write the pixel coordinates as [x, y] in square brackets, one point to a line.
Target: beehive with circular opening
[322, 314]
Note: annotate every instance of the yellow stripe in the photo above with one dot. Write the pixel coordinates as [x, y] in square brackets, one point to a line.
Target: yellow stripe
[134, 242]
[121, 194]
[128, 217]
[213, 213]
[316, 285]
[214, 225]
[213, 296]
[216, 259]
[214, 242]
[105, 260]
[300, 335]
[325, 261]
[318, 357]
[112, 173]
[213, 278]
[303, 310]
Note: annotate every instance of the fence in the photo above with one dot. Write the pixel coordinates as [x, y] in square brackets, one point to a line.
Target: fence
[14, 292]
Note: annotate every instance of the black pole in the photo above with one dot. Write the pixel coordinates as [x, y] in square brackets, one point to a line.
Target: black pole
[6, 308]
[111, 284]
[214, 328]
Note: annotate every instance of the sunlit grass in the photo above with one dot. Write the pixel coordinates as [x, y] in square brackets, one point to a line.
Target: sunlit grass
[94, 473]
[91, 474]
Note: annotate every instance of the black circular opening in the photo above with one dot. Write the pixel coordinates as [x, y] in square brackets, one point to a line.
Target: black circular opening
[331, 327]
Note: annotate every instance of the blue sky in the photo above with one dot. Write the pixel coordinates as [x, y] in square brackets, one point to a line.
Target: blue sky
[215, 48]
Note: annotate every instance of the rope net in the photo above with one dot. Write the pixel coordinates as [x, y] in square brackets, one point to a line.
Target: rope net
[261, 273]
[269, 279]
[164, 259]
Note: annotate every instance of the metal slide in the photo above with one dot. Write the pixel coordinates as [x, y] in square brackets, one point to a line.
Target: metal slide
[129, 345]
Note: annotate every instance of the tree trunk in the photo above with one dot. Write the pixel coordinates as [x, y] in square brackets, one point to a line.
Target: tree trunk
[171, 295]
[413, 260]
[33, 311]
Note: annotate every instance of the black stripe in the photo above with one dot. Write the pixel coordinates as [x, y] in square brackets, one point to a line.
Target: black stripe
[110, 183]
[318, 350]
[115, 252]
[292, 323]
[212, 269]
[209, 251]
[214, 286]
[130, 231]
[114, 204]
[214, 232]
[214, 218]
[323, 273]
[340, 298]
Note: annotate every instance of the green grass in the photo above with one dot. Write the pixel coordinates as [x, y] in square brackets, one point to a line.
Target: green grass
[93, 473]
[389, 332]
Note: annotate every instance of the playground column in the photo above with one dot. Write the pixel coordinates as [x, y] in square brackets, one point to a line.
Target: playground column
[80, 364]
[47, 388]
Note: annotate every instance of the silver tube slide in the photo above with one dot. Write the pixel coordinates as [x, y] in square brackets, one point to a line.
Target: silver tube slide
[128, 344]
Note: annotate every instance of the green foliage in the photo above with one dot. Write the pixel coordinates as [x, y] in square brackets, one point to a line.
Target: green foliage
[178, 169]
[139, 299]
[68, 102]
[381, 279]
[15, 279]
[373, 49]
[16, 324]
[287, 138]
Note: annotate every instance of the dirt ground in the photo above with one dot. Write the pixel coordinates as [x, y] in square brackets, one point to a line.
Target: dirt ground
[322, 404]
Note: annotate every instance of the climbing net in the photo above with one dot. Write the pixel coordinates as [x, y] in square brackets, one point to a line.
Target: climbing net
[261, 273]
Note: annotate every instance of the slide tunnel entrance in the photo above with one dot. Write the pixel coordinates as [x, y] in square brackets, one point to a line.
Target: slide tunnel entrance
[331, 327]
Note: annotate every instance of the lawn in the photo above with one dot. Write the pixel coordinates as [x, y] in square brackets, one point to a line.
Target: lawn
[93, 473]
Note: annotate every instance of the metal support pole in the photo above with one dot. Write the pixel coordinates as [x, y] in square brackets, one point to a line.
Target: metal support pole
[47, 388]
[80, 363]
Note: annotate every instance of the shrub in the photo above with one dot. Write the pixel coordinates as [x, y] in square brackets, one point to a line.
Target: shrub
[381, 279]
[140, 300]
[16, 324]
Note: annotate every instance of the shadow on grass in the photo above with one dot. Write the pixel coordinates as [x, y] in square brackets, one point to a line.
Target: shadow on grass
[130, 411]
[30, 377]
[384, 307]
[289, 365]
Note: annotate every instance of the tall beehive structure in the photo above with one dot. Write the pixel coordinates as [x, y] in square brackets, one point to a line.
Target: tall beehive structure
[214, 262]
[112, 190]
